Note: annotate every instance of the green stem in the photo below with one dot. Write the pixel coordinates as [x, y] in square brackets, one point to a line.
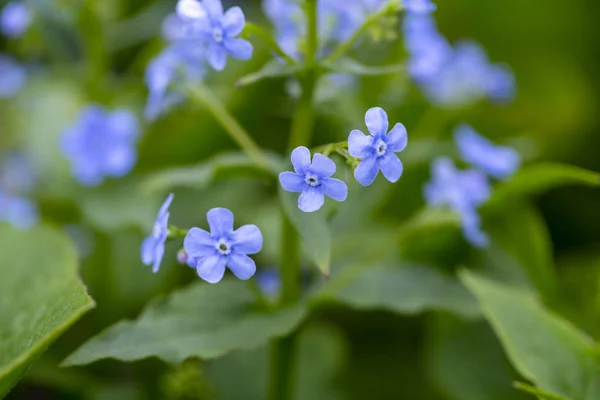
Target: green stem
[389, 8]
[175, 232]
[204, 96]
[252, 29]
[312, 40]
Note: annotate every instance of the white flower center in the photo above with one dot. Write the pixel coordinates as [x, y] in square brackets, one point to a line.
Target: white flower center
[380, 147]
[222, 247]
[312, 180]
[217, 34]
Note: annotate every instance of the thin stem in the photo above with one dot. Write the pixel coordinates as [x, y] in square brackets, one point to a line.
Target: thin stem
[252, 29]
[312, 40]
[204, 96]
[175, 232]
[390, 7]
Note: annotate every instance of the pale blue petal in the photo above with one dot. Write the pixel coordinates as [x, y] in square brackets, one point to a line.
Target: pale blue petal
[214, 8]
[212, 268]
[301, 159]
[367, 170]
[335, 189]
[471, 226]
[391, 167]
[147, 250]
[190, 9]
[322, 166]
[292, 182]
[359, 144]
[238, 48]
[311, 200]
[123, 125]
[377, 121]
[166, 204]
[241, 265]
[220, 221]
[233, 22]
[159, 253]
[247, 239]
[198, 243]
[397, 139]
[120, 161]
[217, 56]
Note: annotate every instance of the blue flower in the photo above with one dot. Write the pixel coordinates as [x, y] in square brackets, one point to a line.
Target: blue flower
[14, 19]
[17, 180]
[12, 77]
[18, 211]
[101, 144]
[218, 29]
[497, 161]
[313, 180]
[153, 247]
[377, 150]
[419, 6]
[269, 281]
[223, 247]
[463, 192]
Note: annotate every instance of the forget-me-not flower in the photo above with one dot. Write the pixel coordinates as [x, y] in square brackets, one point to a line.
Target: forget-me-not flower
[312, 179]
[219, 29]
[377, 150]
[17, 180]
[153, 247]
[15, 18]
[499, 162]
[101, 144]
[210, 252]
[269, 281]
[463, 192]
[12, 77]
[419, 6]
[18, 211]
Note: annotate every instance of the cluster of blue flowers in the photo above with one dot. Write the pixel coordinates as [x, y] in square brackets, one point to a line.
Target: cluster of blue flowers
[17, 181]
[465, 191]
[452, 76]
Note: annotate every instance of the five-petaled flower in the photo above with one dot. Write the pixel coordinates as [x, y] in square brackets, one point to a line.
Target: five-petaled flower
[313, 180]
[377, 150]
[210, 252]
[153, 247]
[218, 28]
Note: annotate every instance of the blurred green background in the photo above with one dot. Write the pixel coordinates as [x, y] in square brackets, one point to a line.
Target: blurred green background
[100, 55]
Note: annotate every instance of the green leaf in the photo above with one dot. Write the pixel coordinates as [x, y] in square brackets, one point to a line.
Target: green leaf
[272, 69]
[353, 67]
[411, 289]
[40, 296]
[312, 228]
[537, 392]
[199, 176]
[203, 320]
[543, 347]
[538, 178]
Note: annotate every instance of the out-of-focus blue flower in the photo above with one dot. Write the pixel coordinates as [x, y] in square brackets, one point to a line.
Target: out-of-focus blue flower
[16, 174]
[210, 252]
[101, 144]
[419, 6]
[312, 180]
[500, 85]
[12, 77]
[18, 211]
[17, 180]
[153, 247]
[219, 29]
[463, 192]
[499, 162]
[14, 19]
[269, 281]
[378, 149]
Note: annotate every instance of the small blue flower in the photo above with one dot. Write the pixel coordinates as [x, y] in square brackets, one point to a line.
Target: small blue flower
[500, 85]
[497, 161]
[101, 144]
[18, 211]
[223, 247]
[463, 192]
[153, 247]
[219, 29]
[313, 180]
[269, 281]
[12, 77]
[14, 19]
[419, 6]
[377, 150]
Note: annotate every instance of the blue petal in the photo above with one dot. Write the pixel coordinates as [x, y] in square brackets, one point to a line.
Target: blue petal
[359, 144]
[367, 170]
[301, 159]
[220, 221]
[198, 243]
[311, 200]
[217, 56]
[123, 125]
[238, 48]
[241, 265]
[147, 250]
[397, 139]
[322, 166]
[377, 121]
[471, 225]
[247, 239]
[292, 182]
[214, 8]
[120, 161]
[159, 253]
[191, 9]
[335, 189]
[233, 22]
[166, 204]
[212, 268]
[391, 167]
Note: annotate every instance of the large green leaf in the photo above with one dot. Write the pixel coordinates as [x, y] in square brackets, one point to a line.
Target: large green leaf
[40, 296]
[542, 346]
[203, 320]
[405, 290]
[312, 228]
[540, 394]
